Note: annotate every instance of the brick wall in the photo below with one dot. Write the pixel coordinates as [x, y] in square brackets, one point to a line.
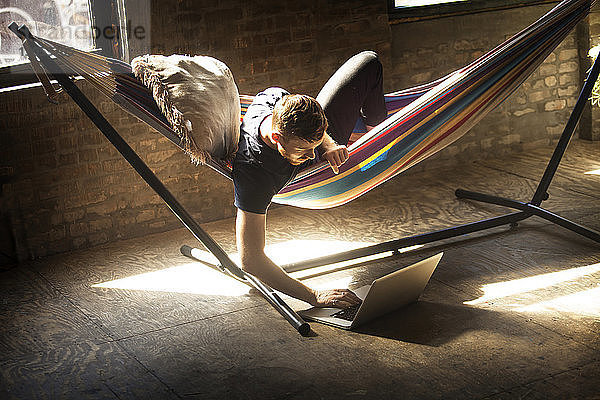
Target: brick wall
[72, 190]
[293, 44]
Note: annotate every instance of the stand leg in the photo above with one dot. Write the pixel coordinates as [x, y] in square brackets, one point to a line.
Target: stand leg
[531, 209]
[394, 245]
[486, 198]
[541, 194]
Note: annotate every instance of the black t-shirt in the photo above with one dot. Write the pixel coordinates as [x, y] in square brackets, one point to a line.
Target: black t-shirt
[259, 172]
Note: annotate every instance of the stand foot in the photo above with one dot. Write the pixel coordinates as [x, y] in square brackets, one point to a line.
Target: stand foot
[530, 209]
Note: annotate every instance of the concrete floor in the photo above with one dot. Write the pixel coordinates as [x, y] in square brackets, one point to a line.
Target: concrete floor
[508, 313]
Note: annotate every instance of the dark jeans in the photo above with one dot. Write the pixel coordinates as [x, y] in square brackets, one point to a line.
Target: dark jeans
[355, 90]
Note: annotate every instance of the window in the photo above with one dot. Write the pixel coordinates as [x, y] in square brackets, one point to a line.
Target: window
[420, 3]
[84, 24]
[416, 10]
[64, 21]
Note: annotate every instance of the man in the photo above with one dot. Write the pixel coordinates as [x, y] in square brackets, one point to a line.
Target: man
[281, 134]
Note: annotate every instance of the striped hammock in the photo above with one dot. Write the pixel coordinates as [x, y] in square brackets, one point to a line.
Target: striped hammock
[421, 120]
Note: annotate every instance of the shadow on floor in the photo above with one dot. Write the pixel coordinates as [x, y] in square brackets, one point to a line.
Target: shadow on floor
[431, 324]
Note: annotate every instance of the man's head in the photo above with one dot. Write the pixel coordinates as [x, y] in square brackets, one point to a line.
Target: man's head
[298, 127]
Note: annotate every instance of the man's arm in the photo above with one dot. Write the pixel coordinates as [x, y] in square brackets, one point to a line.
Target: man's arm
[336, 154]
[250, 237]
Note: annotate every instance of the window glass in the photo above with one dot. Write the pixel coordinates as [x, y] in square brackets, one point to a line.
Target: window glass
[419, 3]
[401, 11]
[64, 21]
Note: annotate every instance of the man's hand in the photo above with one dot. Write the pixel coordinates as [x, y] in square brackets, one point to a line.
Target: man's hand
[339, 298]
[336, 156]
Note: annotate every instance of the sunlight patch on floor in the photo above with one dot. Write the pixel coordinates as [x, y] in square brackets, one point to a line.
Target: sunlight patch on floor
[192, 278]
[531, 294]
[585, 303]
[593, 172]
[195, 278]
[296, 250]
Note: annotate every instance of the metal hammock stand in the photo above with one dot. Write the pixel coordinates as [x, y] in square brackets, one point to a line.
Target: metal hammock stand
[227, 266]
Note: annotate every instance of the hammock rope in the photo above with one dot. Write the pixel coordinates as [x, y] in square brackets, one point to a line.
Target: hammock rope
[421, 120]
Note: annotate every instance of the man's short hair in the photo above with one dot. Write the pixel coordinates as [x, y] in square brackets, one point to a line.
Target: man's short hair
[300, 115]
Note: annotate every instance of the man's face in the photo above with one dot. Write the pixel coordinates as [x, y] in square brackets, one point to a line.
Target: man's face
[296, 150]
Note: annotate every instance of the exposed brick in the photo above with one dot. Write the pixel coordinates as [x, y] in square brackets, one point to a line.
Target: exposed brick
[98, 238]
[566, 79]
[50, 192]
[102, 224]
[74, 200]
[160, 156]
[551, 58]
[548, 69]
[550, 81]
[87, 155]
[55, 234]
[511, 139]
[157, 224]
[421, 77]
[79, 242]
[461, 45]
[78, 229]
[567, 54]
[73, 215]
[570, 66]
[535, 97]
[106, 207]
[67, 159]
[144, 215]
[519, 113]
[539, 84]
[555, 105]
[569, 91]
[555, 130]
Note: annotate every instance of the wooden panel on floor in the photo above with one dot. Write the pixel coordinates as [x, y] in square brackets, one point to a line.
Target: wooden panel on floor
[549, 278]
[143, 288]
[462, 352]
[413, 206]
[570, 175]
[21, 285]
[79, 371]
[578, 383]
[44, 323]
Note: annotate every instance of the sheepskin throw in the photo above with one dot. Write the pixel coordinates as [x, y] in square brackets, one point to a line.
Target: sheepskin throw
[198, 96]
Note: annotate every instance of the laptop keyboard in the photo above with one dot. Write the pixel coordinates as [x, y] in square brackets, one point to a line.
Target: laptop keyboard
[347, 313]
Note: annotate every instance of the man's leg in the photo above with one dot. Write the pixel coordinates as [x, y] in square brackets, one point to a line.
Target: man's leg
[356, 88]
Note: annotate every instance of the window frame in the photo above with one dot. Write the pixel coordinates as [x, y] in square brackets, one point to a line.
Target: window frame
[444, 10]
[103, 13]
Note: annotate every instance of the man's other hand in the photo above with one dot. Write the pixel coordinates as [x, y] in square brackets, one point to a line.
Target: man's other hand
[339, 298]
[336, 156]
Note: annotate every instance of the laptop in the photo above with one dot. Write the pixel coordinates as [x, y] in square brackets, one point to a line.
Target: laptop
[384, 295]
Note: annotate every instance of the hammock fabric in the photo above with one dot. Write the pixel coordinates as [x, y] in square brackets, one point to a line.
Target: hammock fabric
[421, 120]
